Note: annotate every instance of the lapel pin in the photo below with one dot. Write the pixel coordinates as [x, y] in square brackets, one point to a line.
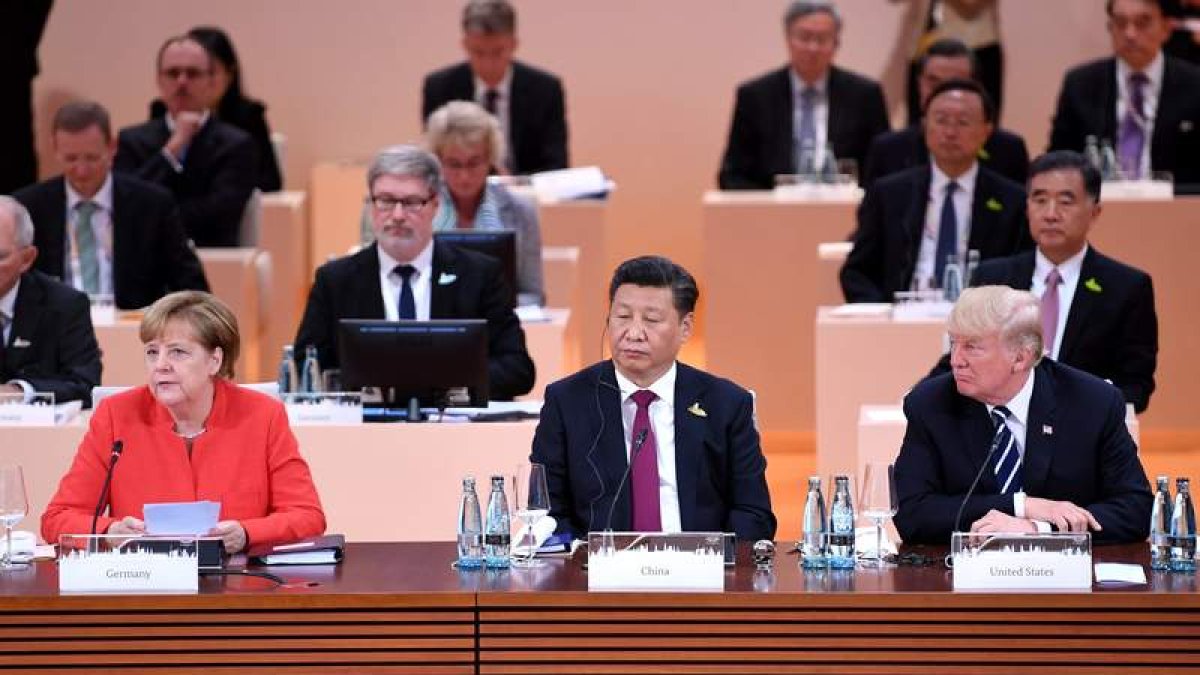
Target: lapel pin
[447, 278]
[994, 205]
[20, 342]
[696, 410]
[1092, 285]
[1047, 430]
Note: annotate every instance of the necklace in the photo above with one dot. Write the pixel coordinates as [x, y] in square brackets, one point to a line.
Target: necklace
[188, 437]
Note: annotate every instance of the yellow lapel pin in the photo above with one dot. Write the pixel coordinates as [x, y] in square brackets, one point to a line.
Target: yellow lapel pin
[696, 410]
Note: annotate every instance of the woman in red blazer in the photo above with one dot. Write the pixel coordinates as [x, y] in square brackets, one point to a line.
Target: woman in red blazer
[191, 434]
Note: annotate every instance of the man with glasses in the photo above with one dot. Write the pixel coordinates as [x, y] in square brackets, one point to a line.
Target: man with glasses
[808, 104]
[911, 222]
[405, 275]
[1144, 102]
[208, 165]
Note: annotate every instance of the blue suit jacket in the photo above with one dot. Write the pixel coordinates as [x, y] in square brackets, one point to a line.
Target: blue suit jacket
[1077, 449]
[719, 464]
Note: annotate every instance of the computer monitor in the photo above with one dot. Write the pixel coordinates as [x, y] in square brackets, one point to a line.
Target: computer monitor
[416, 362]
[500, 244]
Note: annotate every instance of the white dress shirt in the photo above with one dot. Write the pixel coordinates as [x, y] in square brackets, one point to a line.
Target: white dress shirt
[1069, 273]
[662, 421]
[390, 283]
[1151, 92]
[964, 196]
[820, 113]
[102, 232]
[503, 109]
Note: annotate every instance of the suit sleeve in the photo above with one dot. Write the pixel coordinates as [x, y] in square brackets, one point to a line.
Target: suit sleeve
[862, 273]
[750, 515]
[220, 211]
[1066, 128]
[70, 509]
[430, 99]
[295, 510]
[510, 370]
[878, 123]
[737, 166]
[530, 287]
[1123, 509]
[149, 165]
[554, 131]
[1138, 346]
[550, 450]
[927, 512]
[269, 177]
[180, 268]
[78, 365]
[317, 325]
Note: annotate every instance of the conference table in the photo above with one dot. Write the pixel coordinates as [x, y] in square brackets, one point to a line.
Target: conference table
[400, 607]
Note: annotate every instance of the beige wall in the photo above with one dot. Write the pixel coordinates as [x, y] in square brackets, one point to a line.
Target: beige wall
[649, 82]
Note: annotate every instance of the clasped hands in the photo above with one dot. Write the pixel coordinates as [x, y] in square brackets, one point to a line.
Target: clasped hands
[231, 532]
[1064, 516]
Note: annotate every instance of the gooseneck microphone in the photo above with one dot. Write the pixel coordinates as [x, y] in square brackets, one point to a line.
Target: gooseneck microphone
[971, 490]
[117, 446]
[633, 453]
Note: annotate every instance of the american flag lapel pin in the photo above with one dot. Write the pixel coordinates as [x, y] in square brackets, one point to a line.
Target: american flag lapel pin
[1047, 430]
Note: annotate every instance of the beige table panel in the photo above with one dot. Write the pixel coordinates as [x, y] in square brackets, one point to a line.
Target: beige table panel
[237, 276]
[284, 235]
[548, 343]
[859, 361]
[121, 353]
[762, 289]
[377, 482]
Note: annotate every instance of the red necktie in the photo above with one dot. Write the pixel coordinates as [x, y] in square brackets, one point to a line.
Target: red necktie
[644, 468]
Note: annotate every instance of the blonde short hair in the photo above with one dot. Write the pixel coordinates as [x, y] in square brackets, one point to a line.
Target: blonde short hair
[464, 123]
[210, 319]
[1014, 315]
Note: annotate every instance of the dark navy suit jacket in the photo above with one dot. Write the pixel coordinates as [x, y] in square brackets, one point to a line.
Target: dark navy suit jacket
[719, 464]
[1077, 449]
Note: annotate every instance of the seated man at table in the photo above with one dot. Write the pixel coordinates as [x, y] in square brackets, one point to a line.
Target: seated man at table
[1098, 314]
[643, 442]
[1047, 443]
[104, 232]
[910, 222]
[947, 59]
[406, 275]
[810, 103]
[47, 343]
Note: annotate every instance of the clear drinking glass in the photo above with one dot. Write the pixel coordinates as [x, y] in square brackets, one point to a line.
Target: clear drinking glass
[13, 507]
[878, 501]
[532, 500]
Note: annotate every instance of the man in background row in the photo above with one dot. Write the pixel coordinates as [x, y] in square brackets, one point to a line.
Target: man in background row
[21, 27]
[104, 232]
[209, 166]
[810, 103]
[527, 101]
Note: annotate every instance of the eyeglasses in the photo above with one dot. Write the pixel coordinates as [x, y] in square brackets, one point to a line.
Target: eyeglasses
[388, 203]
[189, 73]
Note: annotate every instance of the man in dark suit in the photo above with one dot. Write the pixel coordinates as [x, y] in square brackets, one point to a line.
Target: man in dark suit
[209, 166]
[1048, 441]
[787, 118]
[645, 443]
[891, 152]
[1146, 103]
[527, 101]
[1100, 316]
[21, 28]
[910, 222]
[406, 275]
[46, 339]
[125, 237]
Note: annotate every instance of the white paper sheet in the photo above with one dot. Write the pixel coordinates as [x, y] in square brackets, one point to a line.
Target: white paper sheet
[1120, 573]
[192, 518]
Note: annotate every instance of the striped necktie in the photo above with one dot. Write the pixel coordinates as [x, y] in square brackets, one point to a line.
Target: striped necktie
[1006, 458]
[85, 241]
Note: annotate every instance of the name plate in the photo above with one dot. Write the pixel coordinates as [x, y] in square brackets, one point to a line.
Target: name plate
[1022, 562]
[1139, 190]
[328, 408]
[632, 561]
[37, 412]
[807, 191]
[111, 564]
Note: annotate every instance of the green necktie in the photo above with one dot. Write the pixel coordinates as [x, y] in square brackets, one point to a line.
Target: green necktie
[85, 240]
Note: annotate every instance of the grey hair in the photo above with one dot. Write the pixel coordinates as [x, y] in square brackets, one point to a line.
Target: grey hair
[464, 122]
[21, 218]
[406, 161]
[802, 8]
[491, 17]
[1014, 315]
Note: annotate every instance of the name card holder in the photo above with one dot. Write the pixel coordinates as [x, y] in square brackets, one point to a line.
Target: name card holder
[121, 564]
[325, 408]
[633, 561]
[1022, 562]
[37, 412]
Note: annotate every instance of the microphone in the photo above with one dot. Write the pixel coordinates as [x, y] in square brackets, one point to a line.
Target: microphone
[971, 490]
[633, 453]
[117, 446]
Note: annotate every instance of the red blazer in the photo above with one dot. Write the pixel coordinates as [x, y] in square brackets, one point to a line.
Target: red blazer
[247, 460]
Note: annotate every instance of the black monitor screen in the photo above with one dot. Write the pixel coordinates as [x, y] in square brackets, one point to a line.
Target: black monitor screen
[500, 244]
[416, 359]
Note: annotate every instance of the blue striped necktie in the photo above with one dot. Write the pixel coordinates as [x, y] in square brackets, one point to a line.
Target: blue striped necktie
[1006, 458]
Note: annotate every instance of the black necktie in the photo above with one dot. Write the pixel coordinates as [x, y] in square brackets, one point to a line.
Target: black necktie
[490, 98]
[947, 242]
[3, 342]
[408, 304]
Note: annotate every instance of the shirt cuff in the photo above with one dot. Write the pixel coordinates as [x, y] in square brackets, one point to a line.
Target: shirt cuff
[1019, 504]
[1042, 526]
[172, 161]
[26, 389]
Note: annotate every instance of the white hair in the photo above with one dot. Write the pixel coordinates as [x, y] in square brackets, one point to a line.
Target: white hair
[21, 219]
[1014, 315]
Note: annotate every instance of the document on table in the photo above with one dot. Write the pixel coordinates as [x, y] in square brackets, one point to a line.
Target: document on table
[194, 518]
[1119, 573]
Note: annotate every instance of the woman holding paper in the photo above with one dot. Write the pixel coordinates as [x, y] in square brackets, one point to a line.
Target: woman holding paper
[189, 435]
